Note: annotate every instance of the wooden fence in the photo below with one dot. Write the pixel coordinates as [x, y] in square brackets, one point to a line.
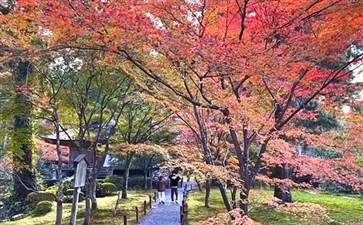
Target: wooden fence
[147, 205]
[184, 205]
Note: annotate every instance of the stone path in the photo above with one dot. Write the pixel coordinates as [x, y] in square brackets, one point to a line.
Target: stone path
[165, 214]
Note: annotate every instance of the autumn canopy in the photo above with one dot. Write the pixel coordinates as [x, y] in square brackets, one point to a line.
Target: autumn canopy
[241, 76]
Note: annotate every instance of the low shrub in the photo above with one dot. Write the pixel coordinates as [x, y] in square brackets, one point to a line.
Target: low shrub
[42, 208]
[108, 188]
[67, 183]
[52, 189]
[116, 180]
[314, 213]
[34, 198]
[69, 191]
[69, 198]
[136, 182]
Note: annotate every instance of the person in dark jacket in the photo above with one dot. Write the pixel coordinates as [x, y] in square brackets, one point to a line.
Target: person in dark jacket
[174, 179]
[161, 187]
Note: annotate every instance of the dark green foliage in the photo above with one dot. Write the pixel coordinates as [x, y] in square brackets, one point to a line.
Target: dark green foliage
[68, 183]
[326, 121]
[34, 197]
[136, 182]
[328, 153]
[116, 180]
[105, 189]
[69, 198]
[22, 138]
[335, 187]
[69, 191]
[42, 208]
[52, 189]
[12, 207]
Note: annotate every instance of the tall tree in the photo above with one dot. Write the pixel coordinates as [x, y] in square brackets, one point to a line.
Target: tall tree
[141, 125]
[22, 138]
[257, 64]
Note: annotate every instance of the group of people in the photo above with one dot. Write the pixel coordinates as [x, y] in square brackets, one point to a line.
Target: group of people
[161, 185]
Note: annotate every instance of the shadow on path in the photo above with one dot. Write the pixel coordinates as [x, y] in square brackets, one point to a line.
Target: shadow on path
[165, 214]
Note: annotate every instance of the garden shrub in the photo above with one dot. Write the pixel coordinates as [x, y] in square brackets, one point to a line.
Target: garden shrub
[136, 182]
[69, 191]
[314, 213]
[42, 208]
[68, 183]
[34, 197]
[116, 180]
[99, 190]
[69, 198]
[52, 189]
[108, 188]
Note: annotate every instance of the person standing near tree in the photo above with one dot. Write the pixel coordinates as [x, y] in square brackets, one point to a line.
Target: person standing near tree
[161, 187]
[174, 179]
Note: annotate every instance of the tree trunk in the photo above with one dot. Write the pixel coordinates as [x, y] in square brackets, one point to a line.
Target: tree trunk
[87, 214]
[243, 205]
[151, 177]
[126, 183]
[224, 197]
[93, 193]
[59, 215]
[126, 174]
[58, 220]
[234, 197]
[281, 192]
[145, 179]
[198, 183]
[207, 193]
[23, 176]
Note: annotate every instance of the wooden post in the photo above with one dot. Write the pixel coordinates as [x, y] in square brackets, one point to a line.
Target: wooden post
[150, 201]
[181, 214]
[79, 181]
[125, 219]
[75, 206]
[185, 208]
[137, 214]
[145, 207]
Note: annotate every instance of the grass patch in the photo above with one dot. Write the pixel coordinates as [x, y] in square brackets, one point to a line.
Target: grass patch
[102, 215]
[341, 209]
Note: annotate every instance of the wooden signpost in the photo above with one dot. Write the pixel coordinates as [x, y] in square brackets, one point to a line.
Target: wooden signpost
[79, 181]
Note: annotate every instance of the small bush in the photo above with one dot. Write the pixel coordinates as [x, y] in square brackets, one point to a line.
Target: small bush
[69, 191]
[53, 190]
[68, 183]
[116, 180]
[69, 198]
[136, 181]
[42, 208]
[108, 188]
[34, 198]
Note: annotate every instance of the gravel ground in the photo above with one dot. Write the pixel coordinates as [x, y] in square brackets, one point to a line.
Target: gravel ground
[164, 214]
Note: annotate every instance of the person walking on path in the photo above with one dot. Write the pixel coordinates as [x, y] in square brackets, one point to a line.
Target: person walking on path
[161, 187]
[174, 179]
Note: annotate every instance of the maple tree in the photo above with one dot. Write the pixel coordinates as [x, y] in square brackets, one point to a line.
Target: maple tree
[142, 126]
[257, 64]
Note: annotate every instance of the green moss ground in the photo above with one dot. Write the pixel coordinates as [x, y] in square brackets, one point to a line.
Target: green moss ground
[341, 209]
[103, 215]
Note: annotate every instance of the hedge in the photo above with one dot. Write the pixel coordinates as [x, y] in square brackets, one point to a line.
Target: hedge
[42, 208]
